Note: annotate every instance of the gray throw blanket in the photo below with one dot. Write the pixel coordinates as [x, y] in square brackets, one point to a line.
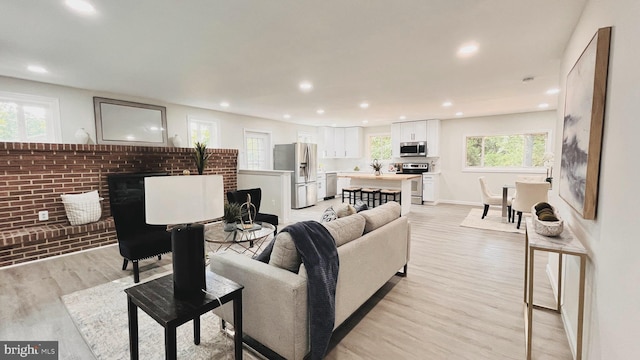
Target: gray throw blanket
[319, 254]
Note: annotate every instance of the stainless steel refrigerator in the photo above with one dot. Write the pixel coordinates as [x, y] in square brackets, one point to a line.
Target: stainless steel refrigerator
[302, 159]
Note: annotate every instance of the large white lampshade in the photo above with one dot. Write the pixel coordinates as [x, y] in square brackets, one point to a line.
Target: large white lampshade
[183, 199]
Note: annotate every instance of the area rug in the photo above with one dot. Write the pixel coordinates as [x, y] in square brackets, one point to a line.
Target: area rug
[493, 221]
[100, 314]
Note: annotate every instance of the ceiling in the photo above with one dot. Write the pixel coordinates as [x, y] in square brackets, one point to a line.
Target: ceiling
[398, 56]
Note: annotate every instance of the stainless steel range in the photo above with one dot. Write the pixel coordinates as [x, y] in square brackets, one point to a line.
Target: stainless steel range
[416, 184]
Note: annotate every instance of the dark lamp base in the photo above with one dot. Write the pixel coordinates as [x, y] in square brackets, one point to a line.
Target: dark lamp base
[187, 245]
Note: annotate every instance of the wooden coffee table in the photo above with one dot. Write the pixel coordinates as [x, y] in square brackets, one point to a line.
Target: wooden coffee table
[156, 299]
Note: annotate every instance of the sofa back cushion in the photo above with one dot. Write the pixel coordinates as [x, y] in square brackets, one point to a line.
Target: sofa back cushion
[285, 255]
[380, 215]
[346, 228]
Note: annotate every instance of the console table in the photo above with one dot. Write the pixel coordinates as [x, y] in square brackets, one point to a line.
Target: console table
[156, 299]
[565, 244]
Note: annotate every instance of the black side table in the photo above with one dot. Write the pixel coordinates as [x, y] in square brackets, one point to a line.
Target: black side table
[156, 299]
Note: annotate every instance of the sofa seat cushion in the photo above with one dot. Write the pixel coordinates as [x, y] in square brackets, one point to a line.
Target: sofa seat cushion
[346, 228]
[380, 215]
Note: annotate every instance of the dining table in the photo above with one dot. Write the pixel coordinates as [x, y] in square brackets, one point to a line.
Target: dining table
[505, 197]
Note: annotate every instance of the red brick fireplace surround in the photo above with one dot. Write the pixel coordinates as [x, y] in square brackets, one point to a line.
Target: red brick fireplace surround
[34, 175]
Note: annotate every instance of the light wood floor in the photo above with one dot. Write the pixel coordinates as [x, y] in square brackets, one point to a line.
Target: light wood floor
[461, 300]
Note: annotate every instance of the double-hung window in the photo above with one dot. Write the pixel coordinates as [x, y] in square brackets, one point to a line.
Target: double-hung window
[257, 150]
[203, 131]
[29, 118]
[506, 152]
[379, 146]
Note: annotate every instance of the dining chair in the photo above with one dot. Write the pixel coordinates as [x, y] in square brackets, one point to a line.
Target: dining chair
[530, 178]
[528, 194]
[489, 198]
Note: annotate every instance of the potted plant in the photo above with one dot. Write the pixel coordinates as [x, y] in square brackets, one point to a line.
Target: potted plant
[201, 156]
[231, 216]
[377, 166]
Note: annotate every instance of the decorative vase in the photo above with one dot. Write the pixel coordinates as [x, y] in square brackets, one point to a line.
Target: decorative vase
[377, 173]
[82, 136]
[176, 140]
[228, 227]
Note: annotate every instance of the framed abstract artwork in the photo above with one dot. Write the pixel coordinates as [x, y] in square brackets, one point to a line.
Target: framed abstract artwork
[583, 123]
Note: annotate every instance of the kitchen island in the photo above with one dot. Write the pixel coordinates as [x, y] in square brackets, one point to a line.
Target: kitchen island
[400, 182]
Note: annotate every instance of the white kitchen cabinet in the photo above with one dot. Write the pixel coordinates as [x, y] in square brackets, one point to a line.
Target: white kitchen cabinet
[338, 146]
[395, 140]
[413, 131]
[340, 143]
[353, 137]
[430, 184]
[433, 138]
[322, 186]
[327, 134]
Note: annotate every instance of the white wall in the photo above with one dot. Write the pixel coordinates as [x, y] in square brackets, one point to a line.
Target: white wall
[458, 186]
[612, 319]
[76, 111]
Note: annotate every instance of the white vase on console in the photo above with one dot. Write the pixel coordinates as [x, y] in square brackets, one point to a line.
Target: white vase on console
[176, 140]
[82, 136]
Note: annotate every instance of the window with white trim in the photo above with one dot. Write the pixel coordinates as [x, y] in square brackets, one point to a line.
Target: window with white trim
[379, 146]
[203, 131]
[516, 151]
[257, 150]
[28, 118]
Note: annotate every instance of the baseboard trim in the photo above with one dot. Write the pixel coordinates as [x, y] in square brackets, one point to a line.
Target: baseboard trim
[55, 257]
[460, 202]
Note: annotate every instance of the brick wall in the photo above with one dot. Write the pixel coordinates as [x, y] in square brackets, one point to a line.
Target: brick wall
[34, 175]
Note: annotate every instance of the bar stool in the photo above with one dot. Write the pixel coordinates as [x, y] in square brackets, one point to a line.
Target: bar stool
[371, 196]
[351, 191]
[390, 192]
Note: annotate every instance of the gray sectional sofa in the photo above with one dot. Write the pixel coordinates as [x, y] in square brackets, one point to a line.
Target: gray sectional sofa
[372, 246]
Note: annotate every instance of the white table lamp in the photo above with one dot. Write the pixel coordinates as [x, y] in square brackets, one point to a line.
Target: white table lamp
[184, 200]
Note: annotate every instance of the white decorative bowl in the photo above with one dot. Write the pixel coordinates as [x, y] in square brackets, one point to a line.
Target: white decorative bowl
[547, 228]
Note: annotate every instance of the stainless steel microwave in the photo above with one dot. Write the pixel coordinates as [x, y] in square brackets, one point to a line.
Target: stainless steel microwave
[417, 148]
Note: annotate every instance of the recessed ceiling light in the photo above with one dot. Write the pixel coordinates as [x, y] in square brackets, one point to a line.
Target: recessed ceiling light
[320, 111]
[286, 116]
[447, 103]
[81, 6]
[306, 86]
[37, 69]
[543, 106]
[364, 105]
[467, 49]
[365, 121]
[402, 117]
[553, 91]
[459, 113]
[224, 104]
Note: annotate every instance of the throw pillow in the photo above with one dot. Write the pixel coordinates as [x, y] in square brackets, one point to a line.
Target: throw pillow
[360, 206]
[344, 209]
[82, 208]
[329, 215]
[284, 253]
